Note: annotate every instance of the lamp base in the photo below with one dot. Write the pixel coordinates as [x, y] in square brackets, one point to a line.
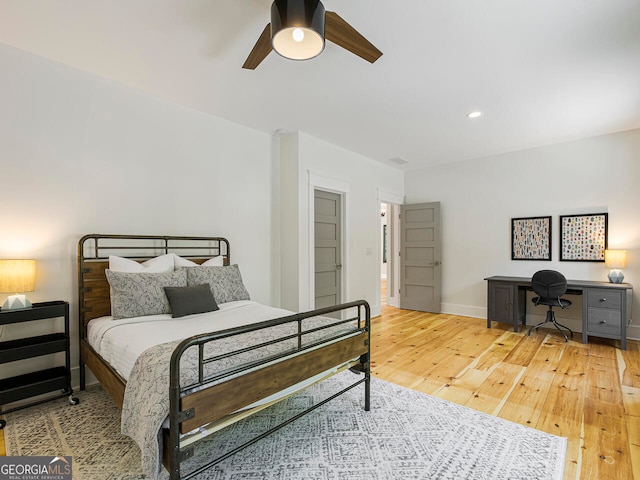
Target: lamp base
[16, 302]
[615, 276]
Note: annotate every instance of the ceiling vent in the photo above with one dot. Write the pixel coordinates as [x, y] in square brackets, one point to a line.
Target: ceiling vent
[398, 161]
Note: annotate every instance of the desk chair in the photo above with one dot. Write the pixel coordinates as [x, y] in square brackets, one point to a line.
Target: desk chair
[550, 285]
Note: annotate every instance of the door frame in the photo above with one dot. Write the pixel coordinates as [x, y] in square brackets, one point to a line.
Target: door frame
[393, 253]
[339, 187]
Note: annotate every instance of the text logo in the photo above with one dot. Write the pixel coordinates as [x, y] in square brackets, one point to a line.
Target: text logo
[35, 468]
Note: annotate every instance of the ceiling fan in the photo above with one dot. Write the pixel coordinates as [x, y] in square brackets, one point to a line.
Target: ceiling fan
[298, 30]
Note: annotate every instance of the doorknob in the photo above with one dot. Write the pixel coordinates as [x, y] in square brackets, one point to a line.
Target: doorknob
[338, 267]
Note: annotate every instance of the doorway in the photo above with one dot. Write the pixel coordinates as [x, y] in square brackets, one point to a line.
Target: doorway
[389, 241]
[410, 272]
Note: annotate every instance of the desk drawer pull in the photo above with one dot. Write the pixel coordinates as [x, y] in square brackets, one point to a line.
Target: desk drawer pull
[603, 300]
[602, 322]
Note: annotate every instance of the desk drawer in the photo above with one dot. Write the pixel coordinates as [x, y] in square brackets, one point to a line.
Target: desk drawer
[604, 320]
[604, 298]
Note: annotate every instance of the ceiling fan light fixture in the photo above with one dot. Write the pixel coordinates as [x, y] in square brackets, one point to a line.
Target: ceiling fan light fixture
[297, 28]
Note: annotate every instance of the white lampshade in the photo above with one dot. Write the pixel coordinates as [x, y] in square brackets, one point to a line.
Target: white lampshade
[615, 258]
[17, 276]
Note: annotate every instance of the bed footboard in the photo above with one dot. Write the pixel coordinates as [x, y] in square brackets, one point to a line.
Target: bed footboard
[214, 398]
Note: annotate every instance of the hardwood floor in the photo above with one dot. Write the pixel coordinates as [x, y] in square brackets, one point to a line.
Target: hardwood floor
[587, 393]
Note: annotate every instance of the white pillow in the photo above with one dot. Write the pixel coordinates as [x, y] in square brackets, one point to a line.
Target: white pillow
[163, 263]
[183, 262]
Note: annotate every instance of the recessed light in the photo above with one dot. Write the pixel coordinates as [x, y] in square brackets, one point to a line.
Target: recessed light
[474, 114]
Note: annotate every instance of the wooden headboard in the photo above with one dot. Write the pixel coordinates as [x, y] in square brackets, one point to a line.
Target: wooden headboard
[93, 260]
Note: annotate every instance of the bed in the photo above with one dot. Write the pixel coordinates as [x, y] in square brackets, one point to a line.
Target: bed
[177, 376]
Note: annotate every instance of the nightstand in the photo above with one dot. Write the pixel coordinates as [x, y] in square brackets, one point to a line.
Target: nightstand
[42, 381]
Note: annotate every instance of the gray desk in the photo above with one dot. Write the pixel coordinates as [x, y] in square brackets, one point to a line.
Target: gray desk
[606, 307]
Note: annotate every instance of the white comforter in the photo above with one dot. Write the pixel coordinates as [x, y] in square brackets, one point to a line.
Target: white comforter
[120, 342]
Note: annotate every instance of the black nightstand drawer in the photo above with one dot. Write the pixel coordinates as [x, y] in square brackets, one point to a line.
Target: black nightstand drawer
[32, 347]
[39, 311]
[32, 384]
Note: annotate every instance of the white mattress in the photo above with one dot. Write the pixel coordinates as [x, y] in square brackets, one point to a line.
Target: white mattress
[120, 342]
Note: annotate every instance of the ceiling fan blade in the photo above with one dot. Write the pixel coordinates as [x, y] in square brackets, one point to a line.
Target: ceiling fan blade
[341, 33]
[260, 50]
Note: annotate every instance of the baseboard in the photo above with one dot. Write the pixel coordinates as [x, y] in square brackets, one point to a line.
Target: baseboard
[464, 310]
[633, 332]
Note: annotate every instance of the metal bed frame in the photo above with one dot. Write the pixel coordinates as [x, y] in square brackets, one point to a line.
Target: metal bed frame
[215, 398]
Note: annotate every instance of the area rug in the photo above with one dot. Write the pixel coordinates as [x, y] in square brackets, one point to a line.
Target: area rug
[406, 435]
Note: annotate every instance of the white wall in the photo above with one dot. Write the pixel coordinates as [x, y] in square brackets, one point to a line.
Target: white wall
[288, 253]
[80, 155]
[479, 198]
[333, 168]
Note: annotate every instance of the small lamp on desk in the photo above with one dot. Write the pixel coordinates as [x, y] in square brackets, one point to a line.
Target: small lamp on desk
[17, 276]
[615, 259]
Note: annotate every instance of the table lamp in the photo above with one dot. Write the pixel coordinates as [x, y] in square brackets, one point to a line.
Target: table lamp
[17, 276]
[615, 259]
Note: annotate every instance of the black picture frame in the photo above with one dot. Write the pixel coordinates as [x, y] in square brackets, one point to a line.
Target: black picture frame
[531, 238]
[584, 237]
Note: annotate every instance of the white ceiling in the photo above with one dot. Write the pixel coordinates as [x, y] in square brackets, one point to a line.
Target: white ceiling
[542, 71]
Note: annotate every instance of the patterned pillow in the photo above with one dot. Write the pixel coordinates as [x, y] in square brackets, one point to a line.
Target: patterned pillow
[140, 294]
[225, 282]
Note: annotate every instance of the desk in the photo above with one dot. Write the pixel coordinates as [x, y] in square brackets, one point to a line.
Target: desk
[606, 307]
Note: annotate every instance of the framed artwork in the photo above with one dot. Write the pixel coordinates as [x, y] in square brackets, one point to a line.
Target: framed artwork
[531, 238]
[583, 238]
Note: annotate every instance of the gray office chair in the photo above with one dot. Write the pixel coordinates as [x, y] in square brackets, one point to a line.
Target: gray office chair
[550, 285]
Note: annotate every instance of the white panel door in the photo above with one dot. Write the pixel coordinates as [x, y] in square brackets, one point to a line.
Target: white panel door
[327, 248]
[420, 257]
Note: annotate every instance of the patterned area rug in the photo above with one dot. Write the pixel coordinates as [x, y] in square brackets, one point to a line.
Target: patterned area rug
[406, 435]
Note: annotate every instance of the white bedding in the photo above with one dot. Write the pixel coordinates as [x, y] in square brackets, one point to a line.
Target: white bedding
[139, 349]
[120, 342]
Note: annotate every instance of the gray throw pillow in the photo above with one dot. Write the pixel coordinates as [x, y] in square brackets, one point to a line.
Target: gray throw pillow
[140, 294]
[225, 282]
[190, 300]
